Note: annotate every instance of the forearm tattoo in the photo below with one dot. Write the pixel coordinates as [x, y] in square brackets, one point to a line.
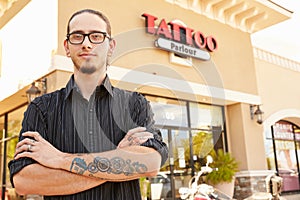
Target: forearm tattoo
[114, 165]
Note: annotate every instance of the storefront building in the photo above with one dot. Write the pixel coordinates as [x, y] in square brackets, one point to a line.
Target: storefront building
[194, 61]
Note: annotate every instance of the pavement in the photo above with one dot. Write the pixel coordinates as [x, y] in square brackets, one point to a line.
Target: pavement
[291, 196]
[264, 196]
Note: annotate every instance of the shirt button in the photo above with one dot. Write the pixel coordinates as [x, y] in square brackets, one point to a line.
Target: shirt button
[90, 132]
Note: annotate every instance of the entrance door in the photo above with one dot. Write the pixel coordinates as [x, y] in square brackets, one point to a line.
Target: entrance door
[177, 169]
[190, 130]
[188, 149]
[287, 148]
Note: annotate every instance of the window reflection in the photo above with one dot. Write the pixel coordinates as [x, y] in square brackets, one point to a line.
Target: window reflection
[12, 133]
[191, 130]
[205, 116]
[286, 144]
[169, 112]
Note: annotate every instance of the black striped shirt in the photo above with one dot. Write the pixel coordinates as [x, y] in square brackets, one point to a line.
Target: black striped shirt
[74, 125]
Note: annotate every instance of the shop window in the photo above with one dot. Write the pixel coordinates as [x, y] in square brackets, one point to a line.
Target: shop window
[282, 148]
[1, 143]
[14, 119]
[205, 116]
[188, 125]
[191, 130]
[169, 112]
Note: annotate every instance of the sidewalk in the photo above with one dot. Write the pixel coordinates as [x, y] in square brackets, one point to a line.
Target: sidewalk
[291, 196]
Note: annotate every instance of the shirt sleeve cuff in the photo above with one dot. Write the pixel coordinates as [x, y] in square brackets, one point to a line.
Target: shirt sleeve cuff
[157, 144]
[17, 165]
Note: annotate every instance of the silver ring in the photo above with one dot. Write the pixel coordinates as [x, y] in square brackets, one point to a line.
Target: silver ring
[29, 147]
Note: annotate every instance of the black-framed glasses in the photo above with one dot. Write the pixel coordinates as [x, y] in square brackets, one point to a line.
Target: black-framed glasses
[94, 37]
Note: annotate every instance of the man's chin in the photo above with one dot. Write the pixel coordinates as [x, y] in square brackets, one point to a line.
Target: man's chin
[87, 70]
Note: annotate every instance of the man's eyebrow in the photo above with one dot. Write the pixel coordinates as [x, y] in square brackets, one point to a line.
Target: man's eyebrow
[86, 32]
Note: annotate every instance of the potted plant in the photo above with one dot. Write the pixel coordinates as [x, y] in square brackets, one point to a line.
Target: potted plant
[224, 176]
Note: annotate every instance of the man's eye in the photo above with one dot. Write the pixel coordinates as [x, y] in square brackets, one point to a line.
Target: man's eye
[96, 36]
[77, 36]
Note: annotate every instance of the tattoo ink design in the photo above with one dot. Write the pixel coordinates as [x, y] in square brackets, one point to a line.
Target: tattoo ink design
[103, 164]
[130, 138]
[78, 165]
[116, 165]
[128, 169]
[92, 168]
[139, 168]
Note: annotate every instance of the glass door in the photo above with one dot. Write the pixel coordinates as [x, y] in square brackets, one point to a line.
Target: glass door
[188, 149]
[177, 169]
[191, 130]
[286, 146]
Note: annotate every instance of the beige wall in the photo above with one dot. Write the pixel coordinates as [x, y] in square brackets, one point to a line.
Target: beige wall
[246, 138]
[233, 60]
[278, 88]
[231, 66]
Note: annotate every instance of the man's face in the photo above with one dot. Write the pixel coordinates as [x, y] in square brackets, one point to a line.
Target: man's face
[88, 57]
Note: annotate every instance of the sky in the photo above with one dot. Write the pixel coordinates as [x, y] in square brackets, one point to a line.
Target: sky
[283, 38]
[17, 71]
[26, 54]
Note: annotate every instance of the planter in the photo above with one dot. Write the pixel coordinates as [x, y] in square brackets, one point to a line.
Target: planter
[226, 187]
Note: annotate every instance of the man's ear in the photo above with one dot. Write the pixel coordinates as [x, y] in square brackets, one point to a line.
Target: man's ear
[66, 45]
[112, 46]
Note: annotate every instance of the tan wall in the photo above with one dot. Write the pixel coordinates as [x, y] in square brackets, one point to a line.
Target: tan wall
[231, 65]
[233, 60]
[57, 79]
[246, 138]
[278, 87]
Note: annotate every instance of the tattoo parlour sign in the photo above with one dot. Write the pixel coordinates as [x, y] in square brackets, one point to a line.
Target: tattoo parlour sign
[179, 39]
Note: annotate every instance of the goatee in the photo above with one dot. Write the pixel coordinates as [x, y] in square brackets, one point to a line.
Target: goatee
[87, 70]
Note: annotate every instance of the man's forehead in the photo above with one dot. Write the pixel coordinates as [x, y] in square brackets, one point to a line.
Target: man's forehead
[87, 21]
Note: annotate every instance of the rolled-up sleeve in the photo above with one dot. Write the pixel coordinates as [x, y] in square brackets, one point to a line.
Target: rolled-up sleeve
[142, 115]
[33, 121]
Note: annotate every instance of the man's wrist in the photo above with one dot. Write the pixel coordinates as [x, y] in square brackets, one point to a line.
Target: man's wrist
[65, 161]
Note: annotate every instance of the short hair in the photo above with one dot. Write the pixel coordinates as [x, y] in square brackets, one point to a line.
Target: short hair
[95, 12]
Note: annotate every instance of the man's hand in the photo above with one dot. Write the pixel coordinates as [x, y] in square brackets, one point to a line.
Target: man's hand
[36, 147]
[39, 149]
[135, 136]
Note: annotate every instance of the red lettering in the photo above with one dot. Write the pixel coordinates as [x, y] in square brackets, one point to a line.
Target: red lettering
[163, 29]
[176, 31]
[179, 33]
[211, 43]
[199, 40]
[189, 35]
[149, 23]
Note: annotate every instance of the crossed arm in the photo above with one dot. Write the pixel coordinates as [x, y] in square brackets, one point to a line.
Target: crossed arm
[59, 173]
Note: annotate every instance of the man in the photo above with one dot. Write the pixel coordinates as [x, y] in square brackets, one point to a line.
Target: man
[88, 140]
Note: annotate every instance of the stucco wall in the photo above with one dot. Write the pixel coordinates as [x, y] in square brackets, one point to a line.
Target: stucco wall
[233, 59]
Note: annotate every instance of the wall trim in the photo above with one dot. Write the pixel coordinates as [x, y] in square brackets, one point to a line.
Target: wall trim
[141, 78]
[276, 59]
[252, 173]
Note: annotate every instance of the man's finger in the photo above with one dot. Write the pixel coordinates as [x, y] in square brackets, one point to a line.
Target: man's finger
[136, 130]
[131, 141]
[32, 134]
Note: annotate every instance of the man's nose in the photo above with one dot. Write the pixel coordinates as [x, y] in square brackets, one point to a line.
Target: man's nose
[86, 41]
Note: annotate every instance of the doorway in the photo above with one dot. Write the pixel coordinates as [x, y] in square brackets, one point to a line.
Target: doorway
[285, 137]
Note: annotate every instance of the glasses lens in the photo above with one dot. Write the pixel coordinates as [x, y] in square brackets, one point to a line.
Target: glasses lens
[76, 38]
[96, 37]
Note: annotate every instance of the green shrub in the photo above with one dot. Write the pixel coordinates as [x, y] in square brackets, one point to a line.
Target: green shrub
[226, 164]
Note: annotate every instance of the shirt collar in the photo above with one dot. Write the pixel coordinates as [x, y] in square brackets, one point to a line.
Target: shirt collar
[71, 85]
